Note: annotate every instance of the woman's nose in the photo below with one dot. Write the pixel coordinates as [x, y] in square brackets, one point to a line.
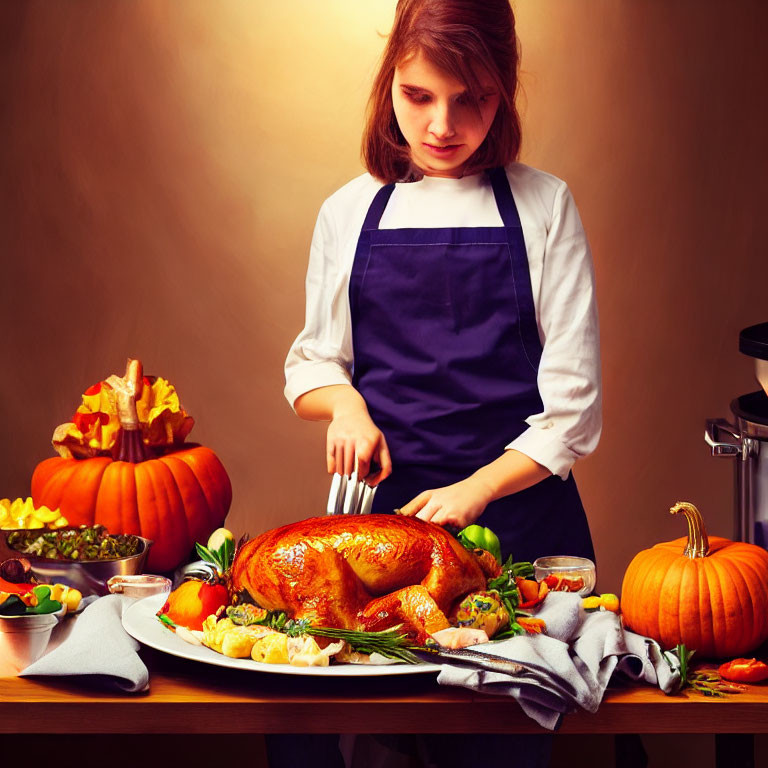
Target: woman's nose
[442, 121]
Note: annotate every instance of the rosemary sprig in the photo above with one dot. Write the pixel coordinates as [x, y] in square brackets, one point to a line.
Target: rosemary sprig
[391, 643]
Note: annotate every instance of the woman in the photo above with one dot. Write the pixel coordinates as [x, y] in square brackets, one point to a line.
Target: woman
[451, 334]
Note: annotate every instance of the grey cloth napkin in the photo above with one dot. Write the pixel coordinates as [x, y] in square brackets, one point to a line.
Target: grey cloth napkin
[95, 644]
[571, 665]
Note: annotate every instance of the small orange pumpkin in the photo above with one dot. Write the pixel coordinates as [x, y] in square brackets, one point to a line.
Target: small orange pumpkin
[174, 493]
[709, 593]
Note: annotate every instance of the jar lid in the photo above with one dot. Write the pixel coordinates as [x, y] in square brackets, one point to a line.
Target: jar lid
[753, 341]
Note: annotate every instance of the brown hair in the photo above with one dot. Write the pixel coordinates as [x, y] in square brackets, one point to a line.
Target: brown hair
[454, 35]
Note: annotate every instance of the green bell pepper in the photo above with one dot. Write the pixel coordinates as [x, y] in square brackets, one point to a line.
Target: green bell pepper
[479, 537]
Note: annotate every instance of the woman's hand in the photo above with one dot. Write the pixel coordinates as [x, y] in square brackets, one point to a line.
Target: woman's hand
[462, 503]
[353, 435]
[459, 504]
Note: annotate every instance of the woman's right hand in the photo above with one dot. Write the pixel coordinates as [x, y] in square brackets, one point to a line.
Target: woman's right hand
[353, 435]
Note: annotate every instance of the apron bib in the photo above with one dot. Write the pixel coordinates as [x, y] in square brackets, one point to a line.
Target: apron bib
[446, 356]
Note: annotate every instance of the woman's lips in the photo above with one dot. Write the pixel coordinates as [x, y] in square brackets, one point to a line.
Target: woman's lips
[441, 151]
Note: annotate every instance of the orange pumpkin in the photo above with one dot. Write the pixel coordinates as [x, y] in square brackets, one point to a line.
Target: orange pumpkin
[709, 593]
[174, 495]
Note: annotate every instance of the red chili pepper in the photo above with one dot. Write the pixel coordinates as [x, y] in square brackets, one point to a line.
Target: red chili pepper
[744, 671]
[15, 589]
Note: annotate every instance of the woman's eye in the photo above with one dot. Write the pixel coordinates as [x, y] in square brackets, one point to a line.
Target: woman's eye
[417, 98]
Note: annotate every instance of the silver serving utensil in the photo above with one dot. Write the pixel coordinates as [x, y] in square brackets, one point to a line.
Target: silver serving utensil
[336, 495]
[366, 501]
[349, 495]
[476, 658]
[490, 662]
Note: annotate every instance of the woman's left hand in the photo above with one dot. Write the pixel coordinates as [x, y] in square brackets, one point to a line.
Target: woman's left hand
[459, 504]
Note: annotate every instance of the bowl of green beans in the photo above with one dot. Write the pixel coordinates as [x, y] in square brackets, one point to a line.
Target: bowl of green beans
[83, 557]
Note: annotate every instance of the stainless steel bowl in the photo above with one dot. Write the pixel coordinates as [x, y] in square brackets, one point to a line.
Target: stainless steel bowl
[88, 576]
[23, 639]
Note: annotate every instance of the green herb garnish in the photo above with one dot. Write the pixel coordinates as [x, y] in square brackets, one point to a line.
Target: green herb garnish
[391, 643]
[220, 558]
[707, 682]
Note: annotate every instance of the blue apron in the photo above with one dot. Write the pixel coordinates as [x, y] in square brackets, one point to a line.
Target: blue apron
[446, 355]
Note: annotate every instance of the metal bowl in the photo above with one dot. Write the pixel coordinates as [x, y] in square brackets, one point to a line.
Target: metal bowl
[88, 576]
[23, 639]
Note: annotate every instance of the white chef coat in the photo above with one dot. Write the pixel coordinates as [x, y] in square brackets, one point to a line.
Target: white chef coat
[562, 278]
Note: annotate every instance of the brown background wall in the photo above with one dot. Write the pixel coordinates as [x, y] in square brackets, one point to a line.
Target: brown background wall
[163, 164]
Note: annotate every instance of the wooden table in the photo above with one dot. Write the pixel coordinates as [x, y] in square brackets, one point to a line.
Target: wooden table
[213, 700]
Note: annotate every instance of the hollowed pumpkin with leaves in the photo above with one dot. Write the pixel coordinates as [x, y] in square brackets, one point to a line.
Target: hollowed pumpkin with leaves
[123, 464]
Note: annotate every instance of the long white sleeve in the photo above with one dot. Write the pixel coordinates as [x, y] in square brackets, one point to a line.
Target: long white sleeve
[569, 380]
[322, 353]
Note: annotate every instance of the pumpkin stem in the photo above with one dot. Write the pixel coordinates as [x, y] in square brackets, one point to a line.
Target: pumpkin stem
[698, 541]
[129, 445]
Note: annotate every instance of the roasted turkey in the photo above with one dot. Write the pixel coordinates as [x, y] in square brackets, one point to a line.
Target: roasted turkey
[361, 572]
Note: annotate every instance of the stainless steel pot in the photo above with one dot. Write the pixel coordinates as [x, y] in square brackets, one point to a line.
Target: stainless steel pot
[746, 442]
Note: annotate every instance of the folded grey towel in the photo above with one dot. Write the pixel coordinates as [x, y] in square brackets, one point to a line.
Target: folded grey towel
[97, 645]
[571, 665]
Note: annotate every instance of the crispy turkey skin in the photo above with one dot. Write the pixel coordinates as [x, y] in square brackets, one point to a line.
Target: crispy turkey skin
[361, 572]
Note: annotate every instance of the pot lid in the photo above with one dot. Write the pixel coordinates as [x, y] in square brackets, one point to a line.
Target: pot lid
[753, 341]
[752, 408]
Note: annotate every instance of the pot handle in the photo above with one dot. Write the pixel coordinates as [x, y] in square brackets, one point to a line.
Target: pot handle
[713, 438]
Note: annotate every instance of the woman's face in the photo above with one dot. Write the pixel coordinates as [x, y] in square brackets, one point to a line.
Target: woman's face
[437, 118]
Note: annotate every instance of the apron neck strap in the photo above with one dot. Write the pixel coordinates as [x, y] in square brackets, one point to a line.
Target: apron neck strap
[503, 195]
[377, 207]
[501, 191]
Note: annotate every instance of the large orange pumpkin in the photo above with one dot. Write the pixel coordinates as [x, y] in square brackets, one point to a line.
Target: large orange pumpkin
[709, 593]
[175, 495]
